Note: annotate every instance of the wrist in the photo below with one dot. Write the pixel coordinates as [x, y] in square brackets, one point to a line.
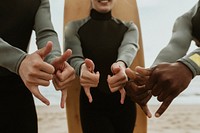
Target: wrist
[186, 69]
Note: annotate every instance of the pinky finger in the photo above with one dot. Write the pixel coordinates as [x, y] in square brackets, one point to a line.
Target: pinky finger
[88, 94]
[63, 98]
[123, 95]
[35, 91]
[163, 107]
[146, 111]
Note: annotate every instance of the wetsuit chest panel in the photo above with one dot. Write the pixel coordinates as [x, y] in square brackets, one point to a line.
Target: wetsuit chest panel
[17, 20]
[100, 41]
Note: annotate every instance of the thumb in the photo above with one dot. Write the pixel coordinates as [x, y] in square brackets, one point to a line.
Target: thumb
[89, 64]
[43, 52]
[65, 56]
[115, 70]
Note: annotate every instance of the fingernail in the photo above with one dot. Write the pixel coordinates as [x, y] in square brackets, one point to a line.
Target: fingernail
[47, 103]
[157, 115]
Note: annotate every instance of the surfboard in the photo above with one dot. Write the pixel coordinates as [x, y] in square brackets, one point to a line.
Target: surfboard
[125, 10]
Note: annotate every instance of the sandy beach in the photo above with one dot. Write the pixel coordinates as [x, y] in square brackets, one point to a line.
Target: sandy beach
[177, 119]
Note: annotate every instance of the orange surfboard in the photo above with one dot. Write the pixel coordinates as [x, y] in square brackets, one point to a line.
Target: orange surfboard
[125, 10]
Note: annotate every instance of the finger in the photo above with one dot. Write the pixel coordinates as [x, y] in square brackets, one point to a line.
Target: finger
[123, 95]
[139, 90]
[63, 98]
[41, 82]
[117, 85]
[40, 75]
[143, 71]
[116, 81]
[115, 70]
[151, 82]
[114, 89]
[156, 90]
[55, 83]
[131, 88]
[147, 72]
[141, 80]
[93, 81]
[48, 68]
[43, 52]
[90, 65]
[130, 73]
[65, 56]
[146, 111]
[143, 95]
[145, 100]
[35, 91]
[164, 106]
[89, 77]
[88, 94]
[65, 76]
[60, 62]
[163, 95]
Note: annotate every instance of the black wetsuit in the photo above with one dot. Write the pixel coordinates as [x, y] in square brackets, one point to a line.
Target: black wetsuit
[100, 37]
[18, 19]
[18, 113]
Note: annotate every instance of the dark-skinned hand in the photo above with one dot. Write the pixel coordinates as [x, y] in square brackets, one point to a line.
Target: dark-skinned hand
[136, 90]
[167, 81]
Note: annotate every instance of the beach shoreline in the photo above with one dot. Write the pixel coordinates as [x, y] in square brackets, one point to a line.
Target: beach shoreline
[177, 119]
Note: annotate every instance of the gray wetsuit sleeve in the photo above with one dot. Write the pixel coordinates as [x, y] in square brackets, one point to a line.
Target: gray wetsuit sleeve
[129, 46]
[11, 57]
[45, 32]
[180, 40]
[72, 41]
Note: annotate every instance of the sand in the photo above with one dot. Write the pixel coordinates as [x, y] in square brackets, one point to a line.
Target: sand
[177, 119]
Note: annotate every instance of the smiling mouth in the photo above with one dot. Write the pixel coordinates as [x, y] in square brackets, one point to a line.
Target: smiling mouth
[103, 1]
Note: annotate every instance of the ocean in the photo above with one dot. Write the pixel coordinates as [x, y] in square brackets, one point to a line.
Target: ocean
[157, 18]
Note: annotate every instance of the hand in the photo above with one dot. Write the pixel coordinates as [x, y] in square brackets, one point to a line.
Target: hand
[137, 91]
[63, 76]
[118, 80]
[167, 81]
[34, 71]
[88, 78]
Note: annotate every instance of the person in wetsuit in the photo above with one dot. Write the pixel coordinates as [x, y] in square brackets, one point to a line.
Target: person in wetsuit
[103, 46]
[22, 73]
[173, 69]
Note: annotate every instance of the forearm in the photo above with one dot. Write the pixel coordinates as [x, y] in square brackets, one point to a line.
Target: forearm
[180, 40]
[72, 41]
[129, 46]
[11, 57]
[45, 31]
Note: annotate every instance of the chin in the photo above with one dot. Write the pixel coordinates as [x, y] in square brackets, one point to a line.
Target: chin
[104, 10]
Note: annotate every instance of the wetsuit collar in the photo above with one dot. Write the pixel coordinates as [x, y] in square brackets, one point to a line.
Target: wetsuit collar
[100, 16]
